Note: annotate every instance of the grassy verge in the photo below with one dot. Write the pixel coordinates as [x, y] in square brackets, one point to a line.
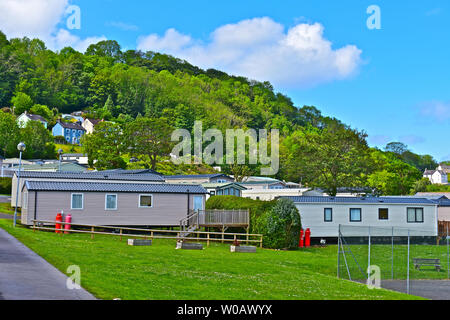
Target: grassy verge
[6, 208]
[111, 269]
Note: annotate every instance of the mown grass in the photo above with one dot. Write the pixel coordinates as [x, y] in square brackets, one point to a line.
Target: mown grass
[112, 269]
[6, 208]
[394, 265]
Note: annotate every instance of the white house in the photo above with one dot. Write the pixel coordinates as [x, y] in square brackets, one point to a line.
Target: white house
[25, 117]
[324, 215]
[436, 176]
[89, 124]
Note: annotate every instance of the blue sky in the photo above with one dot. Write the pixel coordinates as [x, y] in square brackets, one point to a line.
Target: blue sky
[393, 83]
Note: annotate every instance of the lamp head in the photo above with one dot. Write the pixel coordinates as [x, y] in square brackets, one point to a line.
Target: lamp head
[21, 147]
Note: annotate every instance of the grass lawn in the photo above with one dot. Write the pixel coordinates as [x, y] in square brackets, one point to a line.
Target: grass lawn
[112, 269]
[6, 208]
[381, 255]
[68, 148]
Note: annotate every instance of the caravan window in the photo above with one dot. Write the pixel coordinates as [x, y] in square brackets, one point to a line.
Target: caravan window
[415, 215]
[77, 201]
[111, 202]
[328, 215]
[145, 201]
[355, 215]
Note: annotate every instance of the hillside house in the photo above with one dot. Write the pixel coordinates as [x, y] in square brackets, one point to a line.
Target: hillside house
[72, 132]
[25, 117]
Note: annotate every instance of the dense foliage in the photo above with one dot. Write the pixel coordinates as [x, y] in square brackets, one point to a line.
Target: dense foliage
[278, 220]
[5, 185]
[137, 90]
[280, 226]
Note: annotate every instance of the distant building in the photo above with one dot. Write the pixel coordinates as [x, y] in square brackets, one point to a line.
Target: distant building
[72, 132]
[89, 124]
[199, 178]
[437, 176]
[224, 189]
[25, 117]
[79, 158]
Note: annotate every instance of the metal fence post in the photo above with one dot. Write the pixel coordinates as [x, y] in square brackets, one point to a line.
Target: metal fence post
[368, 265]
[339, 252]
[407, 265]
[392, 255]
[448, 262]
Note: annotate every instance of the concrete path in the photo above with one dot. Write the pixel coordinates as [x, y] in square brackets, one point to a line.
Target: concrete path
[5, 199]
[26, 276]
[431, 289]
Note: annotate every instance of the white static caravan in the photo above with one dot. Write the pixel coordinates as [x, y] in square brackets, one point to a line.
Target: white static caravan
[323, 215]
[111, 204]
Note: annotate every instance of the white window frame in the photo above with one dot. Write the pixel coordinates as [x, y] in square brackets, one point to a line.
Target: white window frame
[71, 201]
[106, 201]
[145, 195]
[25, 200]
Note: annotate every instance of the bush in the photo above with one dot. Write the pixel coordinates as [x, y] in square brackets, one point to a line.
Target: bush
[278, 220]
[280, 226]
[257, 207]
[5, 185]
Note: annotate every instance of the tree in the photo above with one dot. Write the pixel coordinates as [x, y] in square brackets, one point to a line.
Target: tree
[149, 137]
[21, 103]
[330, 158]
[420, 185]
[104, 146]
[396, 147]
[43, 111]
[39, 141]
[280, 225]
[392, 175]
[9, 134]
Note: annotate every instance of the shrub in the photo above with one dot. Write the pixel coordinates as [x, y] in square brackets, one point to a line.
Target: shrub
[5, 185]
[257, 207]
[280, 226]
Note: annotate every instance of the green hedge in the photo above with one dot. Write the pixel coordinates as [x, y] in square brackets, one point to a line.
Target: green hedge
[5, 185]
[279, 221]
[257, 207]
[280, 226]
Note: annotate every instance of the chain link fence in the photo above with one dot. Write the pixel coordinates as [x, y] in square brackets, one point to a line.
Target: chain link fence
[404, 257]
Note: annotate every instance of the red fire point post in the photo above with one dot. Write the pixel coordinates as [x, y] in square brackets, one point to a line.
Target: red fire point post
[59, 218]
[68, 219]
[301, 242]
[308, 238]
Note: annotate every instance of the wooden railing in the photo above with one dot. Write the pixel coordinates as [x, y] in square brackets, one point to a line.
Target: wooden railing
[148, 233]
[229, 218]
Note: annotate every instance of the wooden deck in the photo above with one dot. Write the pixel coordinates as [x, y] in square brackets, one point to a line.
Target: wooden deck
[216, 218]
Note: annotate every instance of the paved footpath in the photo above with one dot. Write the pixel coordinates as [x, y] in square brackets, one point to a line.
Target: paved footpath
[24, 275]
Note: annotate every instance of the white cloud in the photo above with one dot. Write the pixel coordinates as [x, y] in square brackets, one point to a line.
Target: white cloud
[40, 19]
[261, 49]
[437, 110]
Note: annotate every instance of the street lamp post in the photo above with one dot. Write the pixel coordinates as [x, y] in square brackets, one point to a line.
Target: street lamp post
[21, 147]
[60, 152]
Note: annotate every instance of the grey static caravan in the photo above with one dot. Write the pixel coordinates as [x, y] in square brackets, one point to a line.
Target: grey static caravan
[110, 176]
[323, 215]
[111, 204]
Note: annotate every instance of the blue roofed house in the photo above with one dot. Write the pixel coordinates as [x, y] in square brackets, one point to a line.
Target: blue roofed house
[72, 132]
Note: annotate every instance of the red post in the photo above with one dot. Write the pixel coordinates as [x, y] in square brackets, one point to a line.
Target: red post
[58, 225]
[301, 242]
[68, 219]
[308, 238]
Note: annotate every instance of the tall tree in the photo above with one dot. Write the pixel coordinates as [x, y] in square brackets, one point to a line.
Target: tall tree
[104, 146]
[149, 137]
[330, 158]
